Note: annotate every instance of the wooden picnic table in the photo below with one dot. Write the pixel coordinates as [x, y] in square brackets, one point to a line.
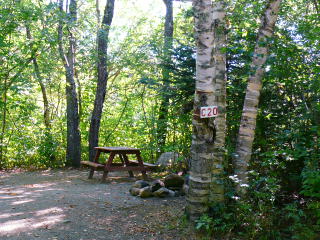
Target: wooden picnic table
[125, 165]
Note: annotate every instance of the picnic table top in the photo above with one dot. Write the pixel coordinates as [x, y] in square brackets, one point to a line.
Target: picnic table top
[118, 149]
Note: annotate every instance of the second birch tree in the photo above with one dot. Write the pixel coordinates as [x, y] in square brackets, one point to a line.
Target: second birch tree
[246, 133]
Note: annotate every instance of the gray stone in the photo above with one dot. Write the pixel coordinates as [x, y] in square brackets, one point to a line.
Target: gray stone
[140, 184]
[156, 184]
[167, 159]
[178, 193]
[164, 192]
[134, 191]
[187, 179]
[173, 181]
[185, 189]
[175, 188]
[146, 192]
[172, 193]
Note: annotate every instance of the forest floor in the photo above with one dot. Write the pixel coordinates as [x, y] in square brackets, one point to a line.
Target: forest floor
[65, 205]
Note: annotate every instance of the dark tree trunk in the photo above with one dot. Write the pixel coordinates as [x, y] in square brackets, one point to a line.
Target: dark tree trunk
[3, 123]
[316, 5]
[73, 155]
[162, 124]
[103, 34]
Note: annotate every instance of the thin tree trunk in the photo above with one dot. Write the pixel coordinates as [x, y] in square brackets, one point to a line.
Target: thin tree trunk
[220, 79]
[73, 156]
[246, 133]
[316, 5]
[3, 123]
[46, 110]
[7, 84]
[162, 123]
[76, 76]
[103, 35]
[98, 15]
[204, 131]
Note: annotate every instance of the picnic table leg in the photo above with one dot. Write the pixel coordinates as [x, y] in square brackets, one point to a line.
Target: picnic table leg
[121, 158]
[108, 164]
[93, 168]
[140, 162]
[126, 160]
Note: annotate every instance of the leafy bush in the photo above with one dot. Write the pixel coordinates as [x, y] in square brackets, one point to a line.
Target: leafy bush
[262, 215]
[311, 184]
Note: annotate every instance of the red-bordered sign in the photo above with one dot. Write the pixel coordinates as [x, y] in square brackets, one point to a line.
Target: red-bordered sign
[208, 112]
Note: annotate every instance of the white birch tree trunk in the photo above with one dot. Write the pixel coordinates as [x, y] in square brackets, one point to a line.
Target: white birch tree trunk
[246, 133]
[219, 78]
[204, 131]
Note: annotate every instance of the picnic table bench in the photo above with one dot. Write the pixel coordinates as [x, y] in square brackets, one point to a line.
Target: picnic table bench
[125, 165]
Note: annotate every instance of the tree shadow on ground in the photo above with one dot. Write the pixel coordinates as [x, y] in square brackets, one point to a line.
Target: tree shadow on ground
[64, 204]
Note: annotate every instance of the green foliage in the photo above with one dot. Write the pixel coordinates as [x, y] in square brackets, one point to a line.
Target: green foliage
[260, 216]
[283, 201]
[135, 61]
[48, 151]
[204, 222]
[311, 184]
[296, 223]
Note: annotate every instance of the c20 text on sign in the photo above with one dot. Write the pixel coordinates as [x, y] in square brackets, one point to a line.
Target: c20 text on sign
[208, 112]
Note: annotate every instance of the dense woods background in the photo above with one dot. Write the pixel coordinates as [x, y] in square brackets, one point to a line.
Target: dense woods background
[149, 98]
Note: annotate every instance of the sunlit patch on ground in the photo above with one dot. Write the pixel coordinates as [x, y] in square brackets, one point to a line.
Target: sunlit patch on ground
[66, 205]
[22, 201]
[48, 211]
[28, 224]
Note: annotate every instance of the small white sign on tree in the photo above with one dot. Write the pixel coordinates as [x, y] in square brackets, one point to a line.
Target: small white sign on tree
[208, 112]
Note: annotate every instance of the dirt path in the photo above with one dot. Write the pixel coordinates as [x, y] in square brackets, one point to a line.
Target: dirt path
[64, 205]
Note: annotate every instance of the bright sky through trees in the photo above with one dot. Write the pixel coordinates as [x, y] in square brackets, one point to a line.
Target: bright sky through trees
[128, 12]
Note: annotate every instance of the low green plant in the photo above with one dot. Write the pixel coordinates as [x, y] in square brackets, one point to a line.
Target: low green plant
[311, 184]
[262, 216]
[204, 222]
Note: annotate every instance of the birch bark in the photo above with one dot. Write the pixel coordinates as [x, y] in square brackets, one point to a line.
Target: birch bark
[204, 131]
[219, 78]
[246, 133]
